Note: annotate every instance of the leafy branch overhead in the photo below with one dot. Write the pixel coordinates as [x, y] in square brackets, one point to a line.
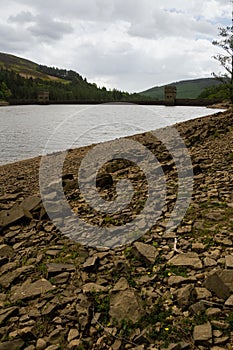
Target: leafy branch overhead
[225, 58]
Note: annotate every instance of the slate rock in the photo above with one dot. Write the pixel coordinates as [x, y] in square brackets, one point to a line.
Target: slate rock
[145, 251]
[57, 268]
[8, 217]
[202, 334]
[6, 251]
[229, 261]
[16, 344]
[216, 284]
[125, 305]
[190, 259]
[185, 296]
[31, 290]
[6, 313]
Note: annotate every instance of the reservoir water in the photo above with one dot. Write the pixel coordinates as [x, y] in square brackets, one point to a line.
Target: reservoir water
[27, 131]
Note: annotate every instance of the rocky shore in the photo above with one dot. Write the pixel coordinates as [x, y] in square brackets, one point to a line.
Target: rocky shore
[167, 290]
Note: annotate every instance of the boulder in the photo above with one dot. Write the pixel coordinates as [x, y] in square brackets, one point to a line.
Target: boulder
[191, 260]
[202, 334]
[145, 252]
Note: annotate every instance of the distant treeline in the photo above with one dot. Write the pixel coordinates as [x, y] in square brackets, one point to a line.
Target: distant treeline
[220, 92]
[72, 88]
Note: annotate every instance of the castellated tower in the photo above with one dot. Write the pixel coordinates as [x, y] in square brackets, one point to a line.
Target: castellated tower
[170, 95]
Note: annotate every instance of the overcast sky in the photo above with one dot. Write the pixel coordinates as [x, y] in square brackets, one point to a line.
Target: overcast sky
[131, 45]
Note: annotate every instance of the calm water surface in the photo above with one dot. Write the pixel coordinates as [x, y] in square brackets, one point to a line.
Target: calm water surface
[28, 131]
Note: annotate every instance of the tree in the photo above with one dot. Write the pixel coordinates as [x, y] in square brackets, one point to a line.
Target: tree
[5, 93]
[225, 59]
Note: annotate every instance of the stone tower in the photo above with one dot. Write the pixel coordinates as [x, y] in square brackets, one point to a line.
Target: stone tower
[43, 96]
[170, 95]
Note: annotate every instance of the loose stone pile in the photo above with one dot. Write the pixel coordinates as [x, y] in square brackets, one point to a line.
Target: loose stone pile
[169, 290]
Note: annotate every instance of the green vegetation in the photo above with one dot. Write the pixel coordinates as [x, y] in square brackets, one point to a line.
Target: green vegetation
[5, 93]
[223, 91]
[225, 43]
[21, 79]
[185, 89]
[101, 304]
[218, 92]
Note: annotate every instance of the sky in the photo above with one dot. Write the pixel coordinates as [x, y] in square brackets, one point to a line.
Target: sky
[130, 45]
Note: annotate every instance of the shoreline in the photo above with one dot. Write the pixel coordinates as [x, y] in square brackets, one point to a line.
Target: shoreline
[178, 102]
[57, 292]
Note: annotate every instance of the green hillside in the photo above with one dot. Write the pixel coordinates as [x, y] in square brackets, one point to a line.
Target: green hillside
[185, 88]
[23, 67]
[21, 79]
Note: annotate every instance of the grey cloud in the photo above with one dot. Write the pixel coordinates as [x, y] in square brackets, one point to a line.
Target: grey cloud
[22, 17]
[94, 10]
[50, 29]
[12, 40]
[166, 24]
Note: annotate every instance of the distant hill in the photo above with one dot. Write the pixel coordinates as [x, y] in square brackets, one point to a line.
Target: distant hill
[185, 88]
[23, 67]
[21, 79]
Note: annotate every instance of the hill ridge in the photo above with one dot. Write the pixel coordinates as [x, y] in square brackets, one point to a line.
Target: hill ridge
[189, 88]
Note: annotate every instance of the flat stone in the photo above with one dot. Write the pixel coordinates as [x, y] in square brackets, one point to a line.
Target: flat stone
[8, 278]
[208, 262]
[30, 203]
[229, 262]
[48, 309]
[31, 290]
[202, 334]
[16, 344]
[146, 252]
[124, 305]
[53, 252]
[178, 280]
[54, 268]
[6, 313]
[40, 344]
[215, 215]
[117, 344]
[8, 217]
[202, 293]
[121, 285]
[227, 277]
[220, 324]
[197, 308]
[90, 262]
[9, 197]
[217, 333]
[221, 341]
[53, 347]
[93, 287]
[185, 296]
[213, 312]
[198, 247]
[75, 344]
[227, 242]
[215, 284]
[229, 301]
[6, 251]
[187, 259]
[62, 278]
[73, 334]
